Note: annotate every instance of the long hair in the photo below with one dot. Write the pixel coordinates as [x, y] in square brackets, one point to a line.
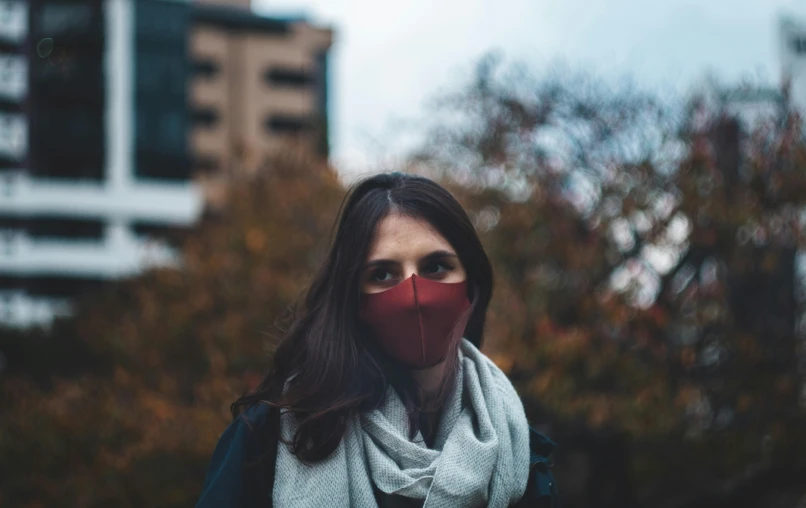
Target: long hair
[326, 368]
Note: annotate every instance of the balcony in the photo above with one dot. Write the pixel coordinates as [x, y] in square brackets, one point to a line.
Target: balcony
[120, 254]
[172, 203]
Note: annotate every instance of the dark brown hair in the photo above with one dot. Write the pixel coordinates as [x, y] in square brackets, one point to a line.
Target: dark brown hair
[326, 368]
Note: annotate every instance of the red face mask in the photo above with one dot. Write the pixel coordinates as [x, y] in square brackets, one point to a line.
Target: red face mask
[413, 321]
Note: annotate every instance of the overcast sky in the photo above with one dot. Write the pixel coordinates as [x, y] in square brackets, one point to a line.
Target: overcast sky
[390, 57]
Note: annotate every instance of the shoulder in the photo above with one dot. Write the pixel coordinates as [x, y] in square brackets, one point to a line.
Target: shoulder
[540, 444]
[257, 415]
[541, 488]
[242, 458]
[244, 431]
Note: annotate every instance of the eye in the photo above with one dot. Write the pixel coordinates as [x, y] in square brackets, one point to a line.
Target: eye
[437, 267]
[381, 276]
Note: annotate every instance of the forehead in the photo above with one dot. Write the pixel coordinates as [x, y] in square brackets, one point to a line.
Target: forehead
[399, 236]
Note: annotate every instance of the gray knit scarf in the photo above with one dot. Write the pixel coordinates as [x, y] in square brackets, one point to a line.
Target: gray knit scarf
[480, 455]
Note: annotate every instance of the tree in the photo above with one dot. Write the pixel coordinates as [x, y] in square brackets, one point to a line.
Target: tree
[645, 257]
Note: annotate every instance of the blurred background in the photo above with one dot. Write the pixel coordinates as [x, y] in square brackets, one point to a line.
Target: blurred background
[170, 171]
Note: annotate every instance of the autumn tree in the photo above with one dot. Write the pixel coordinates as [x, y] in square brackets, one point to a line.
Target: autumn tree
[645, 253]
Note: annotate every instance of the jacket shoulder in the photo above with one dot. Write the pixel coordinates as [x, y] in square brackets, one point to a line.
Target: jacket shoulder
[540, 444]
[241, 470]
[541, 488]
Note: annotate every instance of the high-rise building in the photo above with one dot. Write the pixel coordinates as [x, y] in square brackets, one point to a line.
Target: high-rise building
[257, 83]
[792, 50]
[120, 118]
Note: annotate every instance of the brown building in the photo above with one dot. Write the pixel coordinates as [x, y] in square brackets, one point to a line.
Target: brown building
[258, 84]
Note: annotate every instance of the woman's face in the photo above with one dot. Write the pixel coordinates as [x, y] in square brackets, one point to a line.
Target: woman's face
[404, 246]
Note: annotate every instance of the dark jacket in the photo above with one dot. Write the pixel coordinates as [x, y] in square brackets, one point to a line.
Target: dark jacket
[241, 471]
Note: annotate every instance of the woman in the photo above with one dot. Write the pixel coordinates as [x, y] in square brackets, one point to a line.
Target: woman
[379, 395]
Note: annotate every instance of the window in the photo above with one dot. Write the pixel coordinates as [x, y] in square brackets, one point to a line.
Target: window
[204, 116]
[160, 130]
[160, 102]
[60, 228]
[11, 283]
[89, 166]
[161, 21]
[322, 127]
[60, 286]
[205, 68]
[143, 229]
[172, 129]
[54, 227]
[160, 70]
[70, 22]
[12, 223]
[288, 77]
[69, 17]
[283, 124]
[60, 129]
[161, 166]
[799, 45]
[67, 107]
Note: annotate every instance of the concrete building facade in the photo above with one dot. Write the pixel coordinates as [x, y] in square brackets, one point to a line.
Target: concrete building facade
[258, 85]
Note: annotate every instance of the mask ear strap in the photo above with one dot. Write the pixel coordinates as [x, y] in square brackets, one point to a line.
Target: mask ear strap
[473, 293]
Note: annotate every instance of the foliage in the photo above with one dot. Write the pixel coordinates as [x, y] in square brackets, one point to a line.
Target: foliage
[645, 253]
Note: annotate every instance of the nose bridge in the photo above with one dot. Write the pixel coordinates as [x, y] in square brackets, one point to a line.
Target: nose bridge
[409, 269]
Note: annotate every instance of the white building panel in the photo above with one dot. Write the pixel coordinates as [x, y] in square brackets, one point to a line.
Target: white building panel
[13, 77]
[120, 254]
[178, 204]
[20, 309]
[13, 135]
[13, 20]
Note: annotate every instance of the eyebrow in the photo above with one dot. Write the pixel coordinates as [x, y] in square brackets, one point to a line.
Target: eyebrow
[437, 254]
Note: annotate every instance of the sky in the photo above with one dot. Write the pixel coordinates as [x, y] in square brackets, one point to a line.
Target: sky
[390, 58]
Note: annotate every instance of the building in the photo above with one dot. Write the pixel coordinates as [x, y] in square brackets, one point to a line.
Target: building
[754, 105]
[120, 118]
[792, 50]
[257, 84]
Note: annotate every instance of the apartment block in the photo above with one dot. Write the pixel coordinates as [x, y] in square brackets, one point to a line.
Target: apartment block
[258, 84]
